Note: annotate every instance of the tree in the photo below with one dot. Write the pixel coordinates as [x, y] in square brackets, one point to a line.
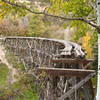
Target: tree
[11, 3]
[73, 10]
[98, 23]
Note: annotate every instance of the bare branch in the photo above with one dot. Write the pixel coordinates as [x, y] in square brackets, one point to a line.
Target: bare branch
[51, 15]
[92, 19]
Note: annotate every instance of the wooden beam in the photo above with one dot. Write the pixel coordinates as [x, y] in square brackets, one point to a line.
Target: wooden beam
[74, 61]
[89, 84]
[65, 72]
[76, 87]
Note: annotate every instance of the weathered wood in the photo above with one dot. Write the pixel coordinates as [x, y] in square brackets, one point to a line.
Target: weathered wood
[89, 84]
[72, 61]
[67, 45]
[87, 95]
[77, 86]
[40, 50]
[36, 52]
[65, 72]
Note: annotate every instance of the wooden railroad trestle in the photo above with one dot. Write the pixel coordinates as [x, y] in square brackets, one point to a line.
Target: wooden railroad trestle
[63, 62]
[87, 74]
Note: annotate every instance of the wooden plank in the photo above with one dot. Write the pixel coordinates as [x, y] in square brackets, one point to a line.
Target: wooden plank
[74, 61]
[65, 72]
[77, 86]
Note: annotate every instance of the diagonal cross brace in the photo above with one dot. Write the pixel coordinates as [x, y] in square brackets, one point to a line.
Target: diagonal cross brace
[77, 86]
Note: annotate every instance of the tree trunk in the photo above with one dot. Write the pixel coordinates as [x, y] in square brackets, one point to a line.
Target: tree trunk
[98, 23]
[98, 82]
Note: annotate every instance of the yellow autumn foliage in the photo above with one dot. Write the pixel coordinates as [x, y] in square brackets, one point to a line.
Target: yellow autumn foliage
[87, 45]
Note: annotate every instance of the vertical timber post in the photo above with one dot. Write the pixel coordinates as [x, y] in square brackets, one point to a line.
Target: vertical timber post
[98, 23]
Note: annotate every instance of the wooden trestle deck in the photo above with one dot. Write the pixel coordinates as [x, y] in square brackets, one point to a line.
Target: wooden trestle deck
[65, 72]
[86, 74]
[70, 60]
[83, 62]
